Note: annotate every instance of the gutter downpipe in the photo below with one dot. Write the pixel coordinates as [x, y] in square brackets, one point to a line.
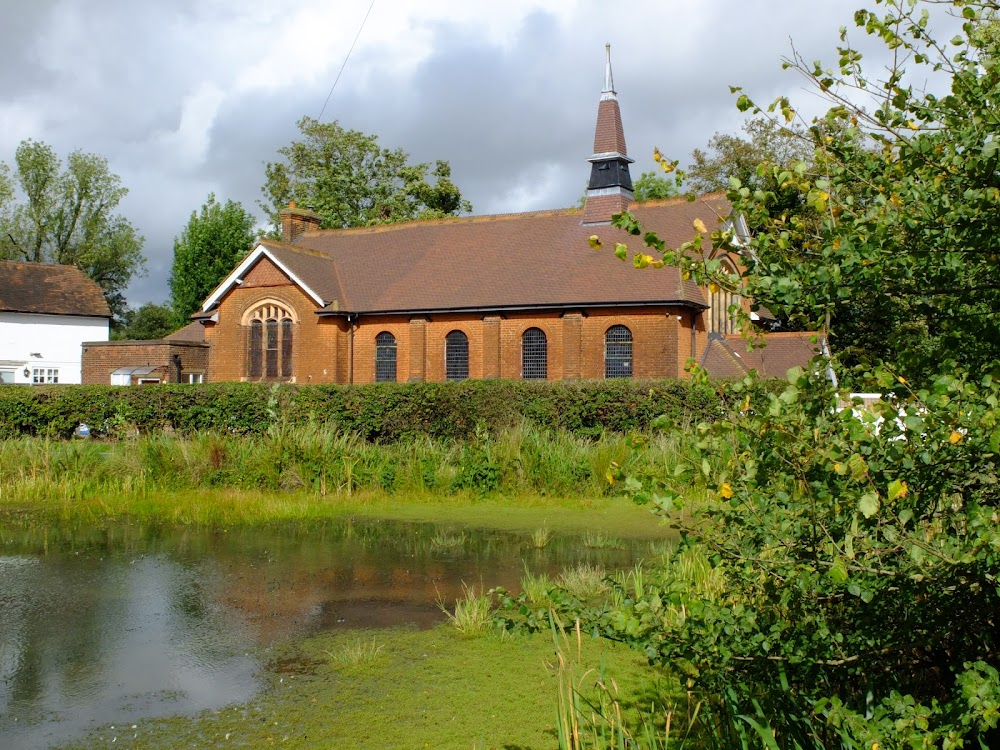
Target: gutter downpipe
[351, 319]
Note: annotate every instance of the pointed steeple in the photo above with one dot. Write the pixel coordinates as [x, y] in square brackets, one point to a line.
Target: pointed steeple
[610, 188]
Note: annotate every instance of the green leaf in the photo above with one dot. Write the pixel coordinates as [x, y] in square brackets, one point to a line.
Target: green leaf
[868, 504]
[838, 571]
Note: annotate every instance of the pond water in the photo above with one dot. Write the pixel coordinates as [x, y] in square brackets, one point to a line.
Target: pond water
[117, 624]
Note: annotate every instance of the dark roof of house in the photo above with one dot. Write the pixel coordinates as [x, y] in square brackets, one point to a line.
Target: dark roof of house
[50, 290]
[510, 261]
[728, 356]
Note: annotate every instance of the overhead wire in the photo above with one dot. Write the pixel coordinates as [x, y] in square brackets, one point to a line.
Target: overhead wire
[348, 57]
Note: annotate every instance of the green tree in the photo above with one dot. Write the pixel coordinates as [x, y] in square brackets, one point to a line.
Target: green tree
[150, 321]
[214, 241]
[653, 187]
[67, 216]
[765, 142]
[349, 180]
[859, 548]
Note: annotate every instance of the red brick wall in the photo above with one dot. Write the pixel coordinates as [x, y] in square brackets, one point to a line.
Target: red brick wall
[661, 343]
[102, 358]
[327, 350]
[316, 349]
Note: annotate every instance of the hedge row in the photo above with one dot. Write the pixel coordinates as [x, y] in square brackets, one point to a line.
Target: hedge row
[383, 412]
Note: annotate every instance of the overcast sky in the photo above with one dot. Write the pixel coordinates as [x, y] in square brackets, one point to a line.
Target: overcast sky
[188, 97]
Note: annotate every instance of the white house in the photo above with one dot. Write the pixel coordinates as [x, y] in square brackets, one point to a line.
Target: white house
[46, 313]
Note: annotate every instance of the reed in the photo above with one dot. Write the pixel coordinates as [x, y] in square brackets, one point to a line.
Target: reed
[357, 652]
[541, 537]
[584, 580]
[536, 587]
[473, 612]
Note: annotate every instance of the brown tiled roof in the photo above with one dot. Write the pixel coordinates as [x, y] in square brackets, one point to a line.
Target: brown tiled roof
[191, 332]
[315, 270]
[728, 356]
[49, 289]
[509, 261]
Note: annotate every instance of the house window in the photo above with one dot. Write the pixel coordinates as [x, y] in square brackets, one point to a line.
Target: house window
[270, 344]
[385, 358]
[618, 352]
[6, 377]
[193, 377]
[44, 375]
[534, 355]
[456, 356]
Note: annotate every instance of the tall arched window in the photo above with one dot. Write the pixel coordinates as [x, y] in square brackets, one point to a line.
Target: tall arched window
[385, 358]
[618, 352]
[456, 356]
[270, 342]
[534, 355]
[721, 319]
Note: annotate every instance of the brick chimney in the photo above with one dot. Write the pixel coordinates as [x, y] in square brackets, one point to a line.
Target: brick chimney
[610, 188]
[295, 221]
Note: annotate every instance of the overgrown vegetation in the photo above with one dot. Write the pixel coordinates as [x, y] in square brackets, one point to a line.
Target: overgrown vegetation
[857, 549]
[324, 462]
[382, 413]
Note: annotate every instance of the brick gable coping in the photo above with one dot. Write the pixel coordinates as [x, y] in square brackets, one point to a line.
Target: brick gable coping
[50, 290]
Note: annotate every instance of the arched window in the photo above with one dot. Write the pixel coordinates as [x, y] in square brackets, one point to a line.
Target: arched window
[385, 358]
[534, 355]
[721, 318]
[618, 352]
[456, 356]
[270, 340]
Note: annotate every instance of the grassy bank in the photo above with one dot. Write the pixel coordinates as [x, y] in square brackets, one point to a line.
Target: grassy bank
[403, 689]
[230, 508]
[315, 472]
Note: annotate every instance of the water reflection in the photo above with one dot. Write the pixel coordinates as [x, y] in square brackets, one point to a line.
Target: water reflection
[115, 624]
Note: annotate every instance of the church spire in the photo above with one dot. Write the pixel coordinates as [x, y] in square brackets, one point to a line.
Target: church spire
[610, 188]
[609, 80]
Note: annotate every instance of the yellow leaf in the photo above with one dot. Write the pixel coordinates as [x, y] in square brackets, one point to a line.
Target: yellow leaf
[699, 226]
[955, 437]
[912, 125]
[667, 166]
[726, 490]
[595, 241]
[657, 156]
[713, 288]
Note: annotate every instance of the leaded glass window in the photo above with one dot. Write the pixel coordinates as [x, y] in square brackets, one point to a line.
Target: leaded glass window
[385, 358]
[456, 356]
[618, 352]
[534, 355]
[270, 344]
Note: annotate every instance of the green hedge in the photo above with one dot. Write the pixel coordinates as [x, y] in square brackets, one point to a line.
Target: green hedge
[383, 412]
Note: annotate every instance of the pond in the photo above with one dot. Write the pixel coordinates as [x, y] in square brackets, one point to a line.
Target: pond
[116, 624]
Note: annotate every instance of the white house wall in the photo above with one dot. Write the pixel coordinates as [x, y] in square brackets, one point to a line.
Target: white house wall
[57, 339]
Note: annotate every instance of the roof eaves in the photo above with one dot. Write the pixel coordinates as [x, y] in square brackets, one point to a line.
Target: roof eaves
[326, 311]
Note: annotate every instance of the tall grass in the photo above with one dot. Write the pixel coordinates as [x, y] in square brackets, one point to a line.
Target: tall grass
[318, 459]
[591, 713]
[473, 612]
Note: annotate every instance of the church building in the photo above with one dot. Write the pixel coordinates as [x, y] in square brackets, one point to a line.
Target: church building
[504, 296]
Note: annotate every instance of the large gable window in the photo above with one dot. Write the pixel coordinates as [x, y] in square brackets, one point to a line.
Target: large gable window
[385, 358]
[534, 355]
[618, 352]
[721, 310]
[270, 341]
[456, 356]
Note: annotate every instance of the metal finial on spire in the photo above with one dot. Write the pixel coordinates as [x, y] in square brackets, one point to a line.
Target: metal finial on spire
[609, 81]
